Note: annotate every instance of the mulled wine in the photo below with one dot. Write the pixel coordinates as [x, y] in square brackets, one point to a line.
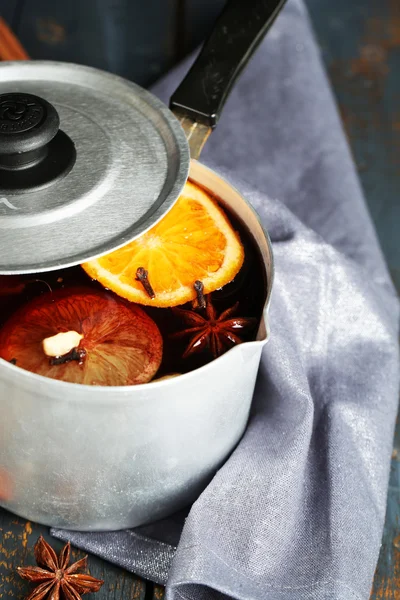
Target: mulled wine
[69, 326]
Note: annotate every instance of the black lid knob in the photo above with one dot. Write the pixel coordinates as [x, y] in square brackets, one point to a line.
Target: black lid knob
[33, 152]
[27, 125]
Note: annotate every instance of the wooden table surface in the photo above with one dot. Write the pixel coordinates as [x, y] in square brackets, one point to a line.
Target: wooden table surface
[360, 42]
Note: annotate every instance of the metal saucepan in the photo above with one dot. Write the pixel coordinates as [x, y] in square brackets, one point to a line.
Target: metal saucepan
[106, 458]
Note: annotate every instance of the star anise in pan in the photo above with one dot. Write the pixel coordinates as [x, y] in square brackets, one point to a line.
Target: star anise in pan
[207, 329]
[57, 580]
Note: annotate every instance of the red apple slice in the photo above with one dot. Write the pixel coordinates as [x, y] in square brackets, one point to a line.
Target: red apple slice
[121, 344]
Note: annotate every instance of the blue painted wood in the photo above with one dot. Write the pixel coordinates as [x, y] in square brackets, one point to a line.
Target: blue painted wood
[138, 40]
[133, 39]
[360, 43]
[387, 576]
[9, 10]
[17, 539]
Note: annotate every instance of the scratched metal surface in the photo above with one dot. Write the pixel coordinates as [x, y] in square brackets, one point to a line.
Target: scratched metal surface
[360, 42]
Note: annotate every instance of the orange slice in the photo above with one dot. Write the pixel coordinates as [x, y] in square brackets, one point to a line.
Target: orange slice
[194, 241]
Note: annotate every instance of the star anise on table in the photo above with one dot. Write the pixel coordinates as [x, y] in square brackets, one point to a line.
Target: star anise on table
[56, 580]
[208, 330]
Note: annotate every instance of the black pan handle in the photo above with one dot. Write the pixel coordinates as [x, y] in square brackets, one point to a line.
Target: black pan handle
[237, 33]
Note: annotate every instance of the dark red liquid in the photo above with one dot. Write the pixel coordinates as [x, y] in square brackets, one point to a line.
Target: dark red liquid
[248, 288]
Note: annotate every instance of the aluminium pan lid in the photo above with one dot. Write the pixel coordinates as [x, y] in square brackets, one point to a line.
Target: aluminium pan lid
[88, 162]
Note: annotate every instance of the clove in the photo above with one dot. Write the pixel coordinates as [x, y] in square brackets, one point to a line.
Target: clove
[143, 276]
[199, 288]
[74, 354]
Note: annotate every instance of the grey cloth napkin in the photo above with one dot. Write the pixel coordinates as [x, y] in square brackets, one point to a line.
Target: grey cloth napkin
[297, 511]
